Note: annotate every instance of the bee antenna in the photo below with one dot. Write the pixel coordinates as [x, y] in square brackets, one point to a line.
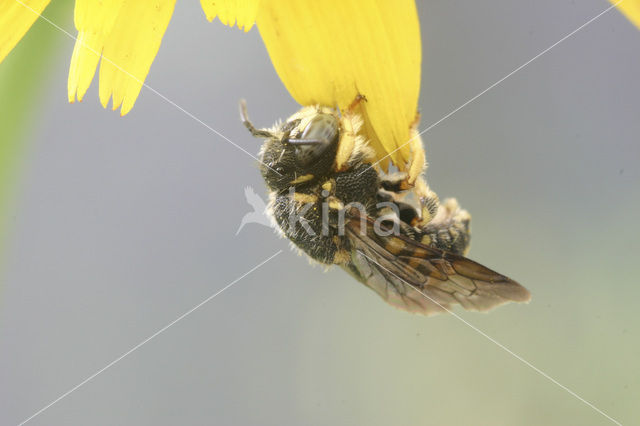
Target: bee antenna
[258, 133]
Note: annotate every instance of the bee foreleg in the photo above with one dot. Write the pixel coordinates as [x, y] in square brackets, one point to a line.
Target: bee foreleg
[396, 182]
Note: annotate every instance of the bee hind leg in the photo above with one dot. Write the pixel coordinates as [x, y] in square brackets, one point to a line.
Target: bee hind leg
[394, 187]
[441, 225]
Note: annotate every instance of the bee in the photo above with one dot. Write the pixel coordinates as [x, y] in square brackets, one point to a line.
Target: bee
[389, 231]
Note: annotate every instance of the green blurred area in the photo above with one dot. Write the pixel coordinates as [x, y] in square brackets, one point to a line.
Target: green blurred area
[23, 78]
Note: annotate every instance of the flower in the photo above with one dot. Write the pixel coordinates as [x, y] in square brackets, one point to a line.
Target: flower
[128, 35]
[15, 20]
[325, 52]
[630, 8]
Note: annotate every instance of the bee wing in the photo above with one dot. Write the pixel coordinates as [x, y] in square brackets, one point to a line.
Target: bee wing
[422, 279]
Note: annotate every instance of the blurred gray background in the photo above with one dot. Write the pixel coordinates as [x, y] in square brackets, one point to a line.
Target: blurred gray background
[123, 224]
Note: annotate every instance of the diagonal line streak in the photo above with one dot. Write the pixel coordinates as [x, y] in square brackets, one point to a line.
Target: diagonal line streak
[136, 347]
[499, 81]
[500, 345]
[104, 58]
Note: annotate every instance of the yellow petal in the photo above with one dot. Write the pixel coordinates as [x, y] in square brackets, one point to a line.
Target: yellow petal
[630, 8]
[127, 35]
[94, 21]
[15, 20]
[130, 49]
[231, 12]
[330, 51]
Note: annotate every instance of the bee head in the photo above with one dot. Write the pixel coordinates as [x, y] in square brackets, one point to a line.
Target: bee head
[298, 151]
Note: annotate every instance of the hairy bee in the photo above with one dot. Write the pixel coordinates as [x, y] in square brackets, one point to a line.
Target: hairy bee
[333, 204]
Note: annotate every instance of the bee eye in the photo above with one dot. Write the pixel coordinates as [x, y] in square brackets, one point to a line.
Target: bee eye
[321, 127]
[320, 134]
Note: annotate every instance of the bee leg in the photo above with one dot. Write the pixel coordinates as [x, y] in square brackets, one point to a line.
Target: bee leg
[418, 163]
[356, 102]
[393, 187]
[396, 182]
[403, 211]
[398, 213]
[449, 230]
[429, 202]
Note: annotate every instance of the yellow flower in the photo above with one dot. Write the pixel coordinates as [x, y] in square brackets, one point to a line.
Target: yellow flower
[15, 20]
[128, 34]
[630, 8]
[326, 52]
